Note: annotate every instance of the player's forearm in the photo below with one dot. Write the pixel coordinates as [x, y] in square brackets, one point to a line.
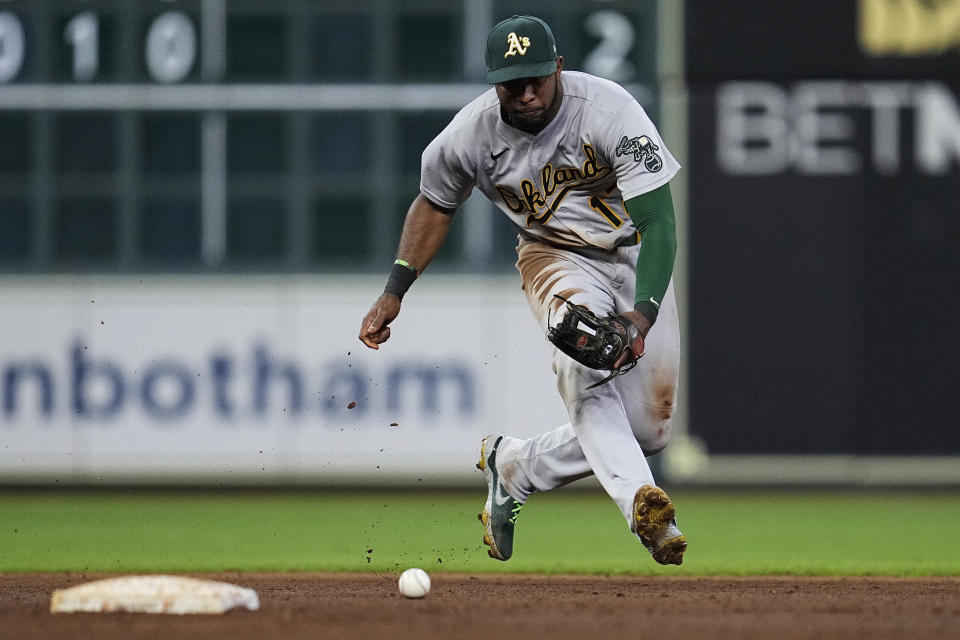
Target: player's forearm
[424, 230]
[652, 214]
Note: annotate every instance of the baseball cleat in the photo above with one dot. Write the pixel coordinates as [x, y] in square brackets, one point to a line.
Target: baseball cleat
[655, 525]
[500, 512]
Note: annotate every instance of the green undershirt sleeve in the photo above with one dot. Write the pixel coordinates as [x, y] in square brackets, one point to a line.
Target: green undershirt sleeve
[652, 215]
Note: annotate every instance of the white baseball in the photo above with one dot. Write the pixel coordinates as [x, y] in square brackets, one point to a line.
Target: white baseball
[414, 583]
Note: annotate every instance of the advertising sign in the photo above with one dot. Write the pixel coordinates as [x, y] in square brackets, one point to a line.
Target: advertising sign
[824, 214]
[263, 381]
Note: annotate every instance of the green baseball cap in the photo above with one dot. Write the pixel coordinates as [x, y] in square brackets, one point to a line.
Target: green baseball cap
[520, 47]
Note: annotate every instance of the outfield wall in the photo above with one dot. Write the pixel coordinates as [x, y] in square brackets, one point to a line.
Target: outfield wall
[233, 380]
[823, 167]
[240, 380]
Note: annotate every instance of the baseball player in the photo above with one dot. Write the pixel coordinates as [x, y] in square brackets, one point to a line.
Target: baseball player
[576, 164]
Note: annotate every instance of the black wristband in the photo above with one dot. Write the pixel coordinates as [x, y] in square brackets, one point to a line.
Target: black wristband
[401, 277]
[648, 310]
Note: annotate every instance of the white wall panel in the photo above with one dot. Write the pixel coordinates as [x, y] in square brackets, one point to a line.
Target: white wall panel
[238, 380]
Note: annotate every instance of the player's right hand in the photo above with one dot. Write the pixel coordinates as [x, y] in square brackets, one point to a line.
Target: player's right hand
[375, 330]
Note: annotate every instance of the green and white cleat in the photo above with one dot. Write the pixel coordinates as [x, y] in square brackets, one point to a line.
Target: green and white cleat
[655, 525]
[500, 513]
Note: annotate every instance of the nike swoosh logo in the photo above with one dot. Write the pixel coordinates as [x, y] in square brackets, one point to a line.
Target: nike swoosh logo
[501, 497]
[495, 156]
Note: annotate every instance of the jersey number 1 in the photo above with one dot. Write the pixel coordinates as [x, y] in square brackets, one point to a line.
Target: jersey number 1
[599, 205]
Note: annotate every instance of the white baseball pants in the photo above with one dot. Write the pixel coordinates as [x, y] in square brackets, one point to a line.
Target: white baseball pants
[614, 426]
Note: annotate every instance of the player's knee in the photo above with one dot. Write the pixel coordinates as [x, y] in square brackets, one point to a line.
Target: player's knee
[652, 426]
[655, 440]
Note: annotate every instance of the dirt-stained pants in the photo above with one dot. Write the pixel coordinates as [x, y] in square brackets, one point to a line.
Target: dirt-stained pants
[614, 426]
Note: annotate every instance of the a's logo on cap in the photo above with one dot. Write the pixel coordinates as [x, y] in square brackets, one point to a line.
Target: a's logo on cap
[517, 45]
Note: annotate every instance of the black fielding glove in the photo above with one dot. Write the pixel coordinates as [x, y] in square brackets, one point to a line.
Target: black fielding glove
[612, 343]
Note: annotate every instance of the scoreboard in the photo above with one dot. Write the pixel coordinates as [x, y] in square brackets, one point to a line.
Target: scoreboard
[208, 135]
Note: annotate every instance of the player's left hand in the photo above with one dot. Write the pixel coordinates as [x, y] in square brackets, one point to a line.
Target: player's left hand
[642, 323]
[375, 329]
[613, 342]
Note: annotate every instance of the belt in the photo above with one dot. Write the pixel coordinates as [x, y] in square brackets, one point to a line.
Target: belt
[629, 241]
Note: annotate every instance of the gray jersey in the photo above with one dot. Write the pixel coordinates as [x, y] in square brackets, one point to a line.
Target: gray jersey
[565, 185]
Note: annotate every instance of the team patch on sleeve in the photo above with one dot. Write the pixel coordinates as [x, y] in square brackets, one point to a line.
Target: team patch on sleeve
[643, 149]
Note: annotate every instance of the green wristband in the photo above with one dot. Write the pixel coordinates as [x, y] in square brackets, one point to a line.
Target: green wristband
[401, 277]
[648, 309]
[404, 263]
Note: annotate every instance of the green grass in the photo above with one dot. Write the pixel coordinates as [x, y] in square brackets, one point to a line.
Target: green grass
[730, 533]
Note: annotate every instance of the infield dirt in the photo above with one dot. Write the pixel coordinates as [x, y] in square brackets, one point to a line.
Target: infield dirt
[495, 607]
